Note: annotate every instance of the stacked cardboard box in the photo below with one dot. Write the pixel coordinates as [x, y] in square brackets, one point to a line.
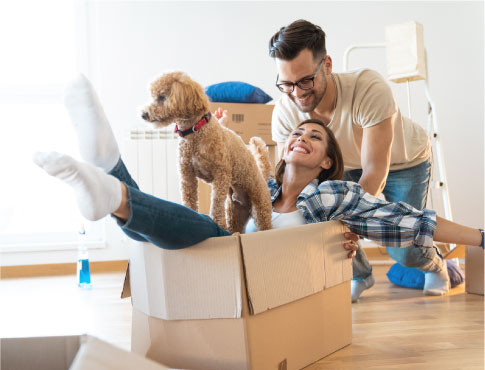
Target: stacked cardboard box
[248, 120]
[277, 299]
[474, 272]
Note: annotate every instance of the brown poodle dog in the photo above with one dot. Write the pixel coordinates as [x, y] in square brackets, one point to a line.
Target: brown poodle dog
[211, 152]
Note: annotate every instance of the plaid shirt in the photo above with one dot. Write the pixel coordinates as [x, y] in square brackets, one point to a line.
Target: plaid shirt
[389, 224]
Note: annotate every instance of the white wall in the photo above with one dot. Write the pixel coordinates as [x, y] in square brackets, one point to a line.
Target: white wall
[129, 43]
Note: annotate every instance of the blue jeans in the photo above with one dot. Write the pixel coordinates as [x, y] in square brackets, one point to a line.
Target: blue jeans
[410, 186]
[166, 224]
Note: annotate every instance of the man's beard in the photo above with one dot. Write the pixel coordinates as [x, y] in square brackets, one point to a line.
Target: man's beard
[317, 98]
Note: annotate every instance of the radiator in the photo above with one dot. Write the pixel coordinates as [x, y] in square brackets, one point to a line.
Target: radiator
[151, 158]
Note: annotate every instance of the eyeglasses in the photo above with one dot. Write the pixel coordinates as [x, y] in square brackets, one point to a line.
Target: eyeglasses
[306, 83]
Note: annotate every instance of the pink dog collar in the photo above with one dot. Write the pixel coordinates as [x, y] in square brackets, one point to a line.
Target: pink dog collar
[205, 119]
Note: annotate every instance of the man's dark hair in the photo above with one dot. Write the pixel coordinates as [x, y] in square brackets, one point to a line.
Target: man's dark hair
[289, 41]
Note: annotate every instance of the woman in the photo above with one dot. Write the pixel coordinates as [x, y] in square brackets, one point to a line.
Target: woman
[306, 188]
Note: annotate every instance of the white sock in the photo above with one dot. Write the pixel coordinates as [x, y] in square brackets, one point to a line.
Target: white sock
[97, 142]
[437, 283]
[97, 193]
[358, 286]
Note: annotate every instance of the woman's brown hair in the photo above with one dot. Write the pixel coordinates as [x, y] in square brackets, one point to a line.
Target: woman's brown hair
[335, 172]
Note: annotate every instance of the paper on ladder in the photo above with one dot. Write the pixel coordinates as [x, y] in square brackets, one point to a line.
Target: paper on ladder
[405, 53]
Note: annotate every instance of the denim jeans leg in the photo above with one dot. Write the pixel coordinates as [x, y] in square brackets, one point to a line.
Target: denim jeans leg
[361, 268]
[166, 224]
[121, 173]
[411, 186]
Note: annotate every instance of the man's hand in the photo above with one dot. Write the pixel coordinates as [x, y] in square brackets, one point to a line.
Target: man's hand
[351, 245]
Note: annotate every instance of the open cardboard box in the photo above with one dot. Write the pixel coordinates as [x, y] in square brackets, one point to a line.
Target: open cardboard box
[248, 120]
[474, 271]
[76, 352]
[277, 299]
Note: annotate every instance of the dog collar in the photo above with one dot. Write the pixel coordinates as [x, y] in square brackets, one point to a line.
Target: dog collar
[205, 119]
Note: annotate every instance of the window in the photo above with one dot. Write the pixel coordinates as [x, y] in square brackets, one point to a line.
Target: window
[40, 43]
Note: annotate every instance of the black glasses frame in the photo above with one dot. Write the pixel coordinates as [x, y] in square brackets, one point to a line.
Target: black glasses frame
[297, 83]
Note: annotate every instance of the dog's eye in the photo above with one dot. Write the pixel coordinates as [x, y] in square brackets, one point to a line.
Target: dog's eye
[161, 98]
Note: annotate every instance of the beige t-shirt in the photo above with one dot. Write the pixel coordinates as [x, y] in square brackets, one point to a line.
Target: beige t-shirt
[363, 99]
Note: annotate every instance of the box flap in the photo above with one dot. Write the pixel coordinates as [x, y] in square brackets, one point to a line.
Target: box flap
[126, 291]
[96, 354]
[40, 353]
[200, 282]
[284, 265]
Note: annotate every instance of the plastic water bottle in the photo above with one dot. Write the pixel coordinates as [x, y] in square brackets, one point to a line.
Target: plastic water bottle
[83, 273]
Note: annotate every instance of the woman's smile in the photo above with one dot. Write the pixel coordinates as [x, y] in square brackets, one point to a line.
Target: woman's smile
[300, 148]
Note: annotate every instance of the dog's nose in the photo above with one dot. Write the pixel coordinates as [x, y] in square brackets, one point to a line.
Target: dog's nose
[144, 115]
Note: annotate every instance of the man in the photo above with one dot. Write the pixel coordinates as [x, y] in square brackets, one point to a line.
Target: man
[383, 151]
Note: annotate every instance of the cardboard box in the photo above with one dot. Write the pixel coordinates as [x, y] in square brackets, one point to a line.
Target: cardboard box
[474, 271]
[77, 352]
[277, 299]
[248, 120]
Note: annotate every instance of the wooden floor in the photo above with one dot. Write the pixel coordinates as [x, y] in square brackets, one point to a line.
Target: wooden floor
[393, 328]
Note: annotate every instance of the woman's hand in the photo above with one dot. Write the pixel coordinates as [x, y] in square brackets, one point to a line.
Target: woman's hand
[351, 245]
[221, 116]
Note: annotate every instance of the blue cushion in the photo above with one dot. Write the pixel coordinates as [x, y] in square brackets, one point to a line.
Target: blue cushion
[236, 92]
[413, 278]
[406, 276]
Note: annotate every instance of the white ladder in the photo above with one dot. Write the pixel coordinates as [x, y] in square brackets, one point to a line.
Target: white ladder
[441, 183]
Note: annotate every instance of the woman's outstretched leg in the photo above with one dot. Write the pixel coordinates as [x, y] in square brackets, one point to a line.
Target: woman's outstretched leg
[97, 194]
[163, 223]
[97, 143]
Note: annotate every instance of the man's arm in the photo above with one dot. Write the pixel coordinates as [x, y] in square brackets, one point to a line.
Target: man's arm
[376, 155]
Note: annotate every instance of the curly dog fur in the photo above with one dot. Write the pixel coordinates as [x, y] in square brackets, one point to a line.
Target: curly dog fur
[214, 154]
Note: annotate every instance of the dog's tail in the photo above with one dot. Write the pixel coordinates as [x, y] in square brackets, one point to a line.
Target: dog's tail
[261, 155]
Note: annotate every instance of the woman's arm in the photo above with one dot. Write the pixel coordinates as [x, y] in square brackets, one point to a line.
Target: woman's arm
[451, 232]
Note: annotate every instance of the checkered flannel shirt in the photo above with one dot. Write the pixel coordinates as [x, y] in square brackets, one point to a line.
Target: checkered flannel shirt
[389, 224]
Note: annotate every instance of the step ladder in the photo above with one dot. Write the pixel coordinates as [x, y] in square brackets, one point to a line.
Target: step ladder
[398, 38]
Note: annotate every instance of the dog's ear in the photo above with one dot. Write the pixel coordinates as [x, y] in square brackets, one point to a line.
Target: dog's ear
[193, 99]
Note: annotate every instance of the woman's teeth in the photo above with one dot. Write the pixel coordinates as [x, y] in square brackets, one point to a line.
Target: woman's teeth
[300, 149]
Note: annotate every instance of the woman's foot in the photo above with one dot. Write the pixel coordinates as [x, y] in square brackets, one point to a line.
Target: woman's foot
[97, 143]
[357, 287]
[97, 193]
[437, 283]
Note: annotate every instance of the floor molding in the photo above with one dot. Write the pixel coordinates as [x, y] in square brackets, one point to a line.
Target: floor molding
[57, 269]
